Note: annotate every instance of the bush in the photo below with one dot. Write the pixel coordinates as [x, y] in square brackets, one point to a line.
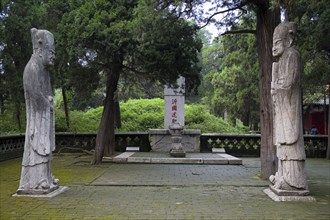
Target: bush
[198, 117]
[136, 115]
[79, 121]
[9, 125]
[142, 114]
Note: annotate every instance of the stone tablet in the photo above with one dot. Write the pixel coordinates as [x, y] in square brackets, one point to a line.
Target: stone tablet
[174, 104]
[36, 176]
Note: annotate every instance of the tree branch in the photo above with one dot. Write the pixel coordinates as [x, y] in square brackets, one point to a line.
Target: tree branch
[133, 70]
[240, 32]
[243, 3]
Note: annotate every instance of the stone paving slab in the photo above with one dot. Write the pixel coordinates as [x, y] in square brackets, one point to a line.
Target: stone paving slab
[178, 175]
[239, 195]
[165, 158]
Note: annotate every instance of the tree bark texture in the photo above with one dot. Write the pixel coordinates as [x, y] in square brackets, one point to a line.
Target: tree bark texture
[328, 149]
[105, 139]
[18, 114]
[117, 112]
[267, 20]
[2, 104]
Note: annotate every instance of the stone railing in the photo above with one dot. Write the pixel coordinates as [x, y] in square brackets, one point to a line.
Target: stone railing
[238, 145]
[234, 144]
[249, 144]
[70, 141]
[12, 146]
[316, 145]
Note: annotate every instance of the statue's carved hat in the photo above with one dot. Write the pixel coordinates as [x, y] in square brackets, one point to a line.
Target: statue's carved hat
[285, 30]
[41, 39]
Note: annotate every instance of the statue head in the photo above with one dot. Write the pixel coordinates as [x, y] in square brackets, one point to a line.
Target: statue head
[283, 37]
[43, 46]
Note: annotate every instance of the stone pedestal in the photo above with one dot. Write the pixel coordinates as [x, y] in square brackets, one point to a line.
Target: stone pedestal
[176, 132]
[279, 195]
[37, 191]
[160, 140]
[49, 194]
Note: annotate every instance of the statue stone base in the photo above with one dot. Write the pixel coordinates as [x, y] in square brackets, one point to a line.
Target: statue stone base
[36, 191]
[42, 193]
[288, 195]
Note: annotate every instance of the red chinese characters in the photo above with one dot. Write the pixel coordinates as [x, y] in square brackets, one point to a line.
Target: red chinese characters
[174, 110]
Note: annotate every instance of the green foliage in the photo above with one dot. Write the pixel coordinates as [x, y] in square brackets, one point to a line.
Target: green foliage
[79, 121]
[142, 114]
[199, 117]
[16, 20]
[7, 126]
[167, 46]
[230, 76]
[137, 115]
[145, 114]
[313, 43]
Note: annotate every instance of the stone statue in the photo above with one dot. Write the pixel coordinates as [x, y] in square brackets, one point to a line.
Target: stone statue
[36, 176]
[286, 96]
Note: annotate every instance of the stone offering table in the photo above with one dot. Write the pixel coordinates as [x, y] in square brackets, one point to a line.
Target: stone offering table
[160, 140]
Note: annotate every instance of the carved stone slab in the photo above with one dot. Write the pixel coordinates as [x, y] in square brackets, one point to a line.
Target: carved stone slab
[161, 140]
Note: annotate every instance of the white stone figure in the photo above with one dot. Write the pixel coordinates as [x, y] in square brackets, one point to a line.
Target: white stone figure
[286, 96]
[36, 176]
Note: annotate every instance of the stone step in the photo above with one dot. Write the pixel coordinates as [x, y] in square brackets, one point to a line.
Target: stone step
[207, 158]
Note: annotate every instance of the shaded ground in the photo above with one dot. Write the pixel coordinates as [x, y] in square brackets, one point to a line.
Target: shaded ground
[161, 191]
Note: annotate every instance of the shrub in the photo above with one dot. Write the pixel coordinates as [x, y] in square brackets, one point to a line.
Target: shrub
[136, 115]
[198, 116]
[142, 114]
[9, 125]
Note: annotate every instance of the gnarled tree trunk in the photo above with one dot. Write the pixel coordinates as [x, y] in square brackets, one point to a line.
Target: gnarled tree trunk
[105, 139]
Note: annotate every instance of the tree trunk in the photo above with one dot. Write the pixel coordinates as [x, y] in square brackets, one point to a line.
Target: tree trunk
[328, 149]
[267, 20]
[117, 112]
[325, 112]
[2, 105]
[246, 116]
[18, 114]
[66, 110]
[105, 139]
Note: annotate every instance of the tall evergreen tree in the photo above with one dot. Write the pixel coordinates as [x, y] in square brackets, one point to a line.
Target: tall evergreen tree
[127, 37]
[16, 20]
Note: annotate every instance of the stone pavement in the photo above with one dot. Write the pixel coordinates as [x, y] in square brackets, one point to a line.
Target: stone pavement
[161, 191]
[165, 158]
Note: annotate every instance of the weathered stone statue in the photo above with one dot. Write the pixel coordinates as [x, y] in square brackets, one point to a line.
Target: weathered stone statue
[36, 177]
[288, 129]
